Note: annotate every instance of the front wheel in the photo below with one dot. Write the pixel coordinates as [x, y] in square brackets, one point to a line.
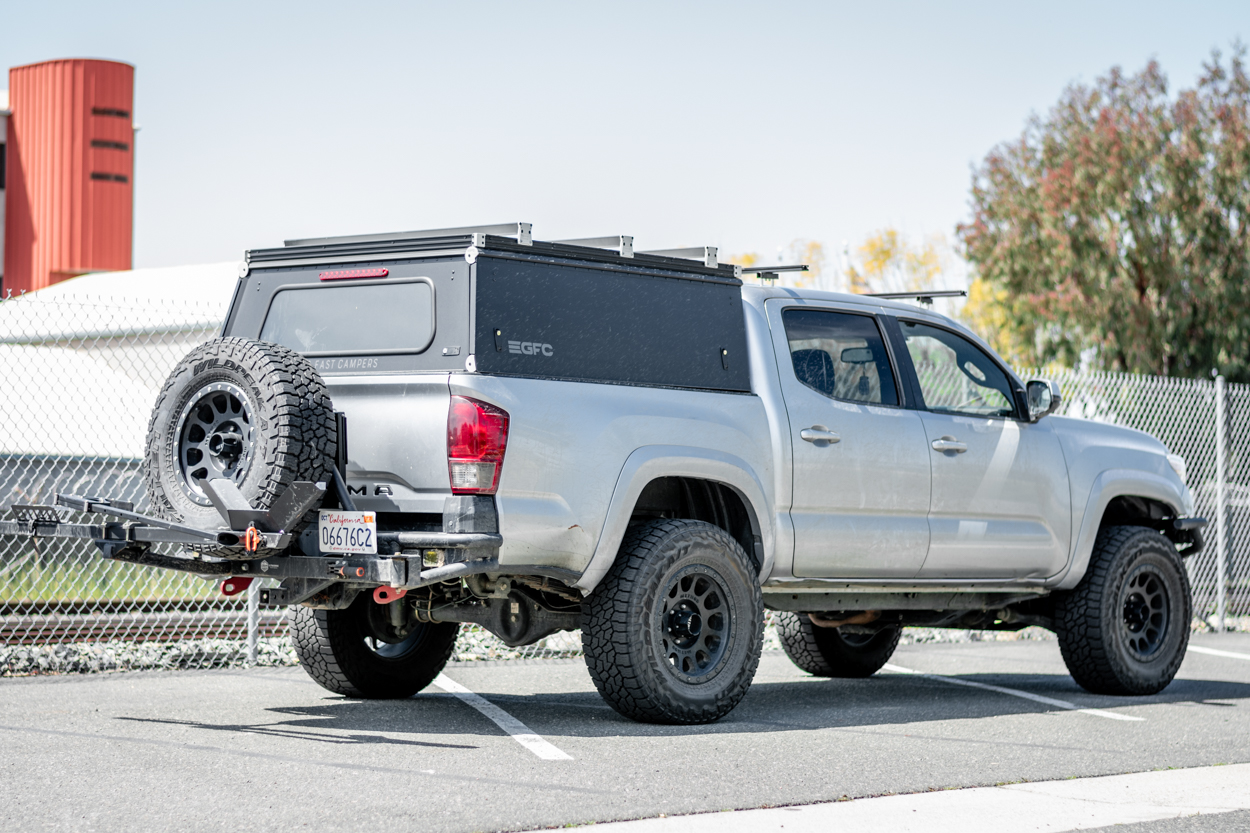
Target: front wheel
[673, 633]
[827, 652]
[1124, 629]
[360, 652]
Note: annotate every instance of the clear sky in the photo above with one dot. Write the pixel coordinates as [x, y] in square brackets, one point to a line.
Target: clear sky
[737, 125]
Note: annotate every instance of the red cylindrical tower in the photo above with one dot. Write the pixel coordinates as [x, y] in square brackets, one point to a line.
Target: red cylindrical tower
[69, 201]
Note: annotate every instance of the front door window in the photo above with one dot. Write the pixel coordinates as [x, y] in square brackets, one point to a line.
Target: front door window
[955, 376]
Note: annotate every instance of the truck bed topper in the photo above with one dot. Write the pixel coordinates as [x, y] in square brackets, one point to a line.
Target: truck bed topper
[505, 304]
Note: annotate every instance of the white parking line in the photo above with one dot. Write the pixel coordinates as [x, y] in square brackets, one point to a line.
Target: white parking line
[1038, 807]
[515, 728]
[1213, 652]
[1014, 692]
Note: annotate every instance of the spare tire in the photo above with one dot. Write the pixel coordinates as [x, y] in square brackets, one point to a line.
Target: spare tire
[252, 412]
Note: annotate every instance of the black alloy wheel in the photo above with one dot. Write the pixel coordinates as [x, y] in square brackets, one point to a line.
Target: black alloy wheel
[385, 636]
[695, 621]
[1146, 611]
[214, 438]
[857, 641]
[1124, 629]
[673, 632]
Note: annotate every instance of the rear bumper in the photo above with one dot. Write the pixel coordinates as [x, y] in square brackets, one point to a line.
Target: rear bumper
[397, 541]
[365, 571]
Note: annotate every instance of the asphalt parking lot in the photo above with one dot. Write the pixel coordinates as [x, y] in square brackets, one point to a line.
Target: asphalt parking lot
[266, 749]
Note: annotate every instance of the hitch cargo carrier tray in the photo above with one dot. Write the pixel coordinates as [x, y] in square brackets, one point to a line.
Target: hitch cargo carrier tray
[255, 529]
[411, 559]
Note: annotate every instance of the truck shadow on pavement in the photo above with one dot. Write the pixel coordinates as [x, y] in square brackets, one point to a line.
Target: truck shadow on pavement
[882, 700]
[810, 704]
[345, 724]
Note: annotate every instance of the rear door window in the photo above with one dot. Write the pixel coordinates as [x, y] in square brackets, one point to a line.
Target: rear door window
[840, 355]
[365, 318]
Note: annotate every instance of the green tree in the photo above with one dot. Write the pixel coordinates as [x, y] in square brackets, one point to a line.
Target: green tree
[1118, 226]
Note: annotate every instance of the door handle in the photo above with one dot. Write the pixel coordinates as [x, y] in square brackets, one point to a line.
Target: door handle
[819, 434]
[949, 443]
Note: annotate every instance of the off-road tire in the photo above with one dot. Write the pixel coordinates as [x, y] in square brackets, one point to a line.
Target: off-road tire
[1095, 621]
[290, 429]
[827, 652]
[638, 619]
[332, 648]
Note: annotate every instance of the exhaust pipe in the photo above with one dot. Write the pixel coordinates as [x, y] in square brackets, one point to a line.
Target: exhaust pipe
[862, 618]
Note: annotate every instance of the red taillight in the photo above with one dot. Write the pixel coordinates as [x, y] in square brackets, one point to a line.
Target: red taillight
[477, 435]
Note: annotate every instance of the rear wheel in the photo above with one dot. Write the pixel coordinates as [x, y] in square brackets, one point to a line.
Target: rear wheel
[359, 652]
[827, 652]
[673, 633]
[1124, 629]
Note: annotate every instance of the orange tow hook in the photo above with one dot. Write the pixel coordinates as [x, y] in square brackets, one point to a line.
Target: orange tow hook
[235, 586]
[251, 539]
[385, 595]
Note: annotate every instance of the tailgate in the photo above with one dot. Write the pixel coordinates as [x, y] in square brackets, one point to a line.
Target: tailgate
[396, 440]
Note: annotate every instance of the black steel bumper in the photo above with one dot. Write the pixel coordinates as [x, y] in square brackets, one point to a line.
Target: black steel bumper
[406, 560]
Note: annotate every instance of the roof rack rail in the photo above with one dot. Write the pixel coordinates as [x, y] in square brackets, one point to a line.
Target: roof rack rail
[771, 273]
[707, 254]
[622, 243]
[922, 297]
[523, 232]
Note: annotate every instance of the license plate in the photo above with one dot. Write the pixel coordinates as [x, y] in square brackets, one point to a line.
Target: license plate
[350, 532]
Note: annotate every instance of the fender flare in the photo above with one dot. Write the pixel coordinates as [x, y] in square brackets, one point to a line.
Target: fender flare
[650, 462]
[1107, 486]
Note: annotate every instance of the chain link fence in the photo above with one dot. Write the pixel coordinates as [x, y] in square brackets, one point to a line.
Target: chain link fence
[78, 379]
[79, 376]
[1207, 423]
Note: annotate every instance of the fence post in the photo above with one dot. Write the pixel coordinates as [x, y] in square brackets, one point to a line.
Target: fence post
[1220, 504]
[253, 621]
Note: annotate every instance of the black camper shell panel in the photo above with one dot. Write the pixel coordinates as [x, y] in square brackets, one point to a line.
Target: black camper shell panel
[582, 323]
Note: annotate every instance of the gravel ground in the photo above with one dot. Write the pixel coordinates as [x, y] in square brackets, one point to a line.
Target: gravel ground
[95, 657]
[474, 645]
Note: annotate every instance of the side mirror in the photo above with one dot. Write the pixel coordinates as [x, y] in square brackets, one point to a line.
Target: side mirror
[1044, 398]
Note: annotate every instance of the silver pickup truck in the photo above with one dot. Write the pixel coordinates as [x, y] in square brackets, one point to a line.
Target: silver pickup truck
[542, 436]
